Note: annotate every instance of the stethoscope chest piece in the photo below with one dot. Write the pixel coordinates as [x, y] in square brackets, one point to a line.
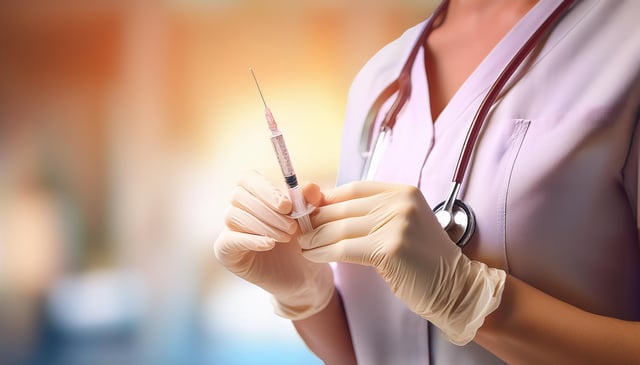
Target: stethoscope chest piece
[459, 221]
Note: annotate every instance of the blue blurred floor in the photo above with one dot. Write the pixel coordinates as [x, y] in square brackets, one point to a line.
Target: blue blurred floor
[126, 349]
[261, 354]
[93, 323]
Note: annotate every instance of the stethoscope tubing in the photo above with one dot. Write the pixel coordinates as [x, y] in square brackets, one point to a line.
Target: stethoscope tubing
[401, 86]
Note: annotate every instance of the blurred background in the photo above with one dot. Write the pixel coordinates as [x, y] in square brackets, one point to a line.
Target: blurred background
[124, 126]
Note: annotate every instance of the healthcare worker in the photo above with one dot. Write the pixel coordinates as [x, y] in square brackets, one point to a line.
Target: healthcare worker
[546, 201]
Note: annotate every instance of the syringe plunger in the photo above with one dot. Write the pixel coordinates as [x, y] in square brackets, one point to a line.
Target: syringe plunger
[301, 210]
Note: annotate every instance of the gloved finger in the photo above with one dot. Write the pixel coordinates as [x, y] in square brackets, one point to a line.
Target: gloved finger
[231, 247]
[239, 220]
[248, 202]
[358, 250]
[312, 194]
[356, 207]
[355, 190]
[263, 189]
[337, 230]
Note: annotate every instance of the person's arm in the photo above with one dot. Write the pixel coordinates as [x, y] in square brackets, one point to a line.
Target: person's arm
[327, 334]
[531, 327]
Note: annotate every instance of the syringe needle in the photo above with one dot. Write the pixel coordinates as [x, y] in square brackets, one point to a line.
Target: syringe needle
[271, 121]
[258, 85]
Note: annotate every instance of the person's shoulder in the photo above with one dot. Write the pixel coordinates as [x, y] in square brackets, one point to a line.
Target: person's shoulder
[606, 27]
[618, 16]
[393, 54]
[386, 63]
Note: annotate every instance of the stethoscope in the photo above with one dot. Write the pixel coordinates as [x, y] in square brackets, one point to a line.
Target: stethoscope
[454, 215]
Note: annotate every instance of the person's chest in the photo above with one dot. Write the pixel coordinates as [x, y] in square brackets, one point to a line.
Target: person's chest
[457, 46]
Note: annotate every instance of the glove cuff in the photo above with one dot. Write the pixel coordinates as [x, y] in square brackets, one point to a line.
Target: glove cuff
[470, 303]
[310, 300]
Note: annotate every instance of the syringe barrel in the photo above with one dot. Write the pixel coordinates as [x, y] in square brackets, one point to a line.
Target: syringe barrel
[284, 159]
[300, 210]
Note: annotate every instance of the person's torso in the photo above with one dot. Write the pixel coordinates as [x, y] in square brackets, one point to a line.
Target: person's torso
[552, 181]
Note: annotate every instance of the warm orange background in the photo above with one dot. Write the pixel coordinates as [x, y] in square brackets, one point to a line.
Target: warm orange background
[123, 128]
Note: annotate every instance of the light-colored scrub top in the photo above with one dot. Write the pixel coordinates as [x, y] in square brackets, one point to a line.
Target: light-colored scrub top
[553, 180]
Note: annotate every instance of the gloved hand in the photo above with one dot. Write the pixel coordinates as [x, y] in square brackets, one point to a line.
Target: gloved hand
[260, 245]
[392, 228]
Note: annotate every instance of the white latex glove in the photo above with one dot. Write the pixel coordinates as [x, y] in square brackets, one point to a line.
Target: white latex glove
[392, 228]
[260, 245]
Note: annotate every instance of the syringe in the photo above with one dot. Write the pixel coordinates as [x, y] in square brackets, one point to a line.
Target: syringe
[300, 208]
